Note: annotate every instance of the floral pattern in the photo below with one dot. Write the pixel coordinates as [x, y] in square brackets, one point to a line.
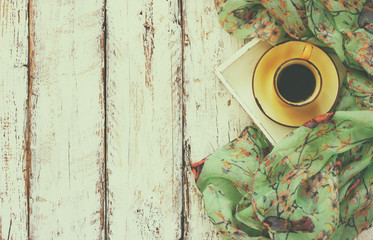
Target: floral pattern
[310, 186]
[317, 182]
[344, 26]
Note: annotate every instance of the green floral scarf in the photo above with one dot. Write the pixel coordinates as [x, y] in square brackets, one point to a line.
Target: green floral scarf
[317, 183]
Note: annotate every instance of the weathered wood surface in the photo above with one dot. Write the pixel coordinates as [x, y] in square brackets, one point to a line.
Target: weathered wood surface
[144, 116]
[212, 116]
[103, 105]
[13, 102]
[67, 120]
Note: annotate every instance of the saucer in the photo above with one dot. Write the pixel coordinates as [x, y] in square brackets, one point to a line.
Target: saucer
[265, 94]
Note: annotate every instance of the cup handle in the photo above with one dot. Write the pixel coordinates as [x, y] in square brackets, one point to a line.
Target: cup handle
[307, 51]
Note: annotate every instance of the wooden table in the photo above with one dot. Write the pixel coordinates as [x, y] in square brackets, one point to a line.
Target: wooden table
[104, 104]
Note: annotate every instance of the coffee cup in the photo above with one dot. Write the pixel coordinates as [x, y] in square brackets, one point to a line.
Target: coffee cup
[294, 82]
[297, 81]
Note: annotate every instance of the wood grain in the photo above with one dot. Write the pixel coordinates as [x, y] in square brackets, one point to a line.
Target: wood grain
[67, 119]
[13, 98]
[144, 110]
[212, 116]
[102, 111]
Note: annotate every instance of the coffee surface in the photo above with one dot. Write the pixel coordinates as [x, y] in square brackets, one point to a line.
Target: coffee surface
[296, 83]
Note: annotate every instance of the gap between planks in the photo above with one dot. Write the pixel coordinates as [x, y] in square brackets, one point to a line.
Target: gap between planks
[185, 211]
[27, 153]
[105, 187]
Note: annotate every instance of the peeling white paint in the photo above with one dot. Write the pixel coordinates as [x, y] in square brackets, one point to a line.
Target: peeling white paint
[162, 95]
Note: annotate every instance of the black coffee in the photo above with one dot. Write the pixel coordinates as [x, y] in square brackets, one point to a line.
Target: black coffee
[296, 83]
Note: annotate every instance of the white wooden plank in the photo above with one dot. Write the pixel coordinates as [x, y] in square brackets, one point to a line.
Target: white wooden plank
[13, 97]
[144, 120]
[67, 119]
[213, 116]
